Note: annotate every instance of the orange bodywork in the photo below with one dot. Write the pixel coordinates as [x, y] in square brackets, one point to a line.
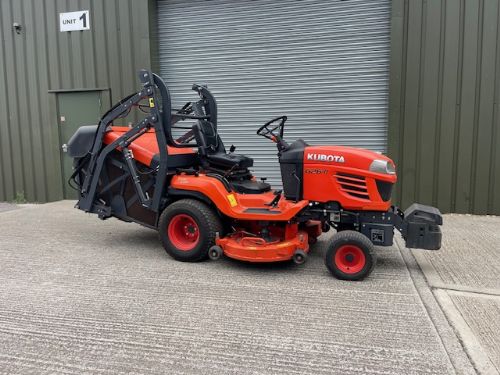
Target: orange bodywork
[238, 206]
[247, 208]
[255, 249]
[344, 176]
[145, 147]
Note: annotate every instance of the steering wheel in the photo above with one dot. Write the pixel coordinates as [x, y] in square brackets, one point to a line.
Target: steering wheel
[269, 131]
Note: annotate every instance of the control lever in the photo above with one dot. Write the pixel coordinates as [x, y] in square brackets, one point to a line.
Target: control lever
[276, 199]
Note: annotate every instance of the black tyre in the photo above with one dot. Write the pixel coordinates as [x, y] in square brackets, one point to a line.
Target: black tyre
[299, 257]
[187, 229]
[215, 252]
[350, 256]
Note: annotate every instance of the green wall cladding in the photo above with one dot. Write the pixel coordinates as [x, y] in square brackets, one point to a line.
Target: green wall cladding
[444, 128]
[40, 60]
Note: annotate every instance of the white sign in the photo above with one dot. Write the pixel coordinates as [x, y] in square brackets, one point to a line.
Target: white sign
[74, 21]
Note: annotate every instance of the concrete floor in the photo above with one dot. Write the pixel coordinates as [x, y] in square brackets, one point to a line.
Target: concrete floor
[7, 207]
[79, 295]
[465, 278]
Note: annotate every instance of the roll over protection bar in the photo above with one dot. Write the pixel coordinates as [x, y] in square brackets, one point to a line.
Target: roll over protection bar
[209, 102]
[157, 119]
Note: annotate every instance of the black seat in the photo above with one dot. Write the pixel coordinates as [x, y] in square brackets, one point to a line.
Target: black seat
[212, 149]
[250, 187]
[230, 160]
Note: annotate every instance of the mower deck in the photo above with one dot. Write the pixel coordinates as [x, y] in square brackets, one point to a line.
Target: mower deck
[256, 250]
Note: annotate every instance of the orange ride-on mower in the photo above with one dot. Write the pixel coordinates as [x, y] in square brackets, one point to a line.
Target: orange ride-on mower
[205, 202]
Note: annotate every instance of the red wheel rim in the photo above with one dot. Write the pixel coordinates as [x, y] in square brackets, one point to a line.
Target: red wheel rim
[350, 259]
[183, 232]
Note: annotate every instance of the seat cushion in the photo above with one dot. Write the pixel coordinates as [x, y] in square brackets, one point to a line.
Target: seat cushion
[250, 187]
[229, 160]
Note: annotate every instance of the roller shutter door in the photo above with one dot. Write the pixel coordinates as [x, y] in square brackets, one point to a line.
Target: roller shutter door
[325, 64]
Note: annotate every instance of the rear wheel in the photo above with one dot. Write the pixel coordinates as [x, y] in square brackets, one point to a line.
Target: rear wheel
[187, 229]
[350, 256]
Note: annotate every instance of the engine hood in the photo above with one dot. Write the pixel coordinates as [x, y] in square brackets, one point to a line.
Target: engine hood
[342, 156]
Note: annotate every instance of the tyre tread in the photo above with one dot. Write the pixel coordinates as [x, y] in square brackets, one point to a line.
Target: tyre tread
[212, 219]
[349, 236]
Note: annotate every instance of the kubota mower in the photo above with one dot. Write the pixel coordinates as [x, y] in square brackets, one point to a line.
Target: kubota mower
[205, 202]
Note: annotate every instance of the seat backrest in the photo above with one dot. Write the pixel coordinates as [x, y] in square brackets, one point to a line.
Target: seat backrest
[207, 138]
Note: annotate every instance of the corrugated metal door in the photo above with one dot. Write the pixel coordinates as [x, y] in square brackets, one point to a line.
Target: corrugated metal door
[325, 64]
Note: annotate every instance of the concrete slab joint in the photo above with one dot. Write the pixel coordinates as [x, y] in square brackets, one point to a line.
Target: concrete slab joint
[465, 279]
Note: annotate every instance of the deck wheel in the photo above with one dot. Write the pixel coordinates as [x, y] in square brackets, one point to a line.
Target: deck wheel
[215, 252]
[299, 257]
[350, 256]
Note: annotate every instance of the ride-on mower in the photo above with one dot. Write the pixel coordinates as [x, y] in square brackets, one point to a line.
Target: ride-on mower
[205, 202]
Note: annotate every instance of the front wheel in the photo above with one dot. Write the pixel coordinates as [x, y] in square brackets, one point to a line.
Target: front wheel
[350, 256]
[187, 229]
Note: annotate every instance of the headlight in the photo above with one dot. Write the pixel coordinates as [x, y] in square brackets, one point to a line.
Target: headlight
[382, 166]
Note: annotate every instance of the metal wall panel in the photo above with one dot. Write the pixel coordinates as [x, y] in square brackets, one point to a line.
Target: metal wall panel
[324, 63]
[42, 59]
[444, 130]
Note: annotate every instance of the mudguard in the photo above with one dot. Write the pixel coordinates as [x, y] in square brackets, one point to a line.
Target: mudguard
[235, 205]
